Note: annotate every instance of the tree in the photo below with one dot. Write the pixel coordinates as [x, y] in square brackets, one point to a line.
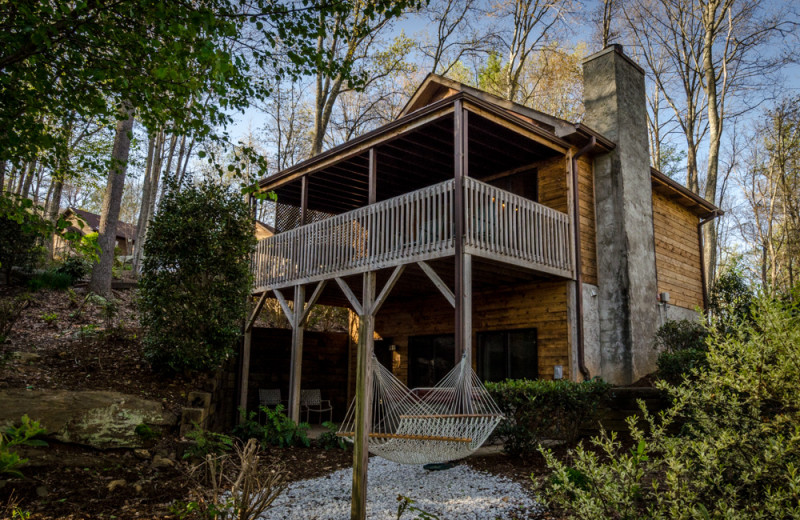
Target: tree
[195, 277]
[100, 281]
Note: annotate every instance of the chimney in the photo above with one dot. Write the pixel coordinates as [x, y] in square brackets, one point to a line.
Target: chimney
[614, 97]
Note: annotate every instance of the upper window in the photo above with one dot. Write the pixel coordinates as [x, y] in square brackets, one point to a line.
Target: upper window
[508, 354]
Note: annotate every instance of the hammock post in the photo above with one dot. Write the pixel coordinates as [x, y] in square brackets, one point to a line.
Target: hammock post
[366, 342]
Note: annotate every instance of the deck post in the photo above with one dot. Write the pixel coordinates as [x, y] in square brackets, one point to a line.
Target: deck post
[244, 374]
[296, 370]
[463, 261]
[366, 343]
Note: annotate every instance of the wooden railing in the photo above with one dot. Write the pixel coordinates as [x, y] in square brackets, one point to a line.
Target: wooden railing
[513, 228]
[417, 226]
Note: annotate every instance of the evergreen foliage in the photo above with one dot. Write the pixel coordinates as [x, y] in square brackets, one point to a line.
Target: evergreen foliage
[683, 348]
[541, 409]
[737, 453]
[195, 278]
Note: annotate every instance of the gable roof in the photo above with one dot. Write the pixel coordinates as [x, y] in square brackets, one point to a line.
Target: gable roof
[92, 220]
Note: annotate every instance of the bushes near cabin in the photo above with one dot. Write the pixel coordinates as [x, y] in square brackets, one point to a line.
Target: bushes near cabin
[683, 349]
[737, 454]
[539, 409]
[195, 277]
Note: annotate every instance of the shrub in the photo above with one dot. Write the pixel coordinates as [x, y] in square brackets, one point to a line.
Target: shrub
[248, 427]
[281, 431]
[683, 349]
[50, 279]
[539, 409]
[738, 453]
[23, 435]
[207, 443]
[195, 278]
[329, 440]
[76, 267]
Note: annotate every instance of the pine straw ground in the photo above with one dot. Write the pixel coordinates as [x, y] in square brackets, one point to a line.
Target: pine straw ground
[80, 351]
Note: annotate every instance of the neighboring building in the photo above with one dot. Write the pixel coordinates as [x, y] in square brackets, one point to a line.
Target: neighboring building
[263, 230]
[86, 223]
[546, 248]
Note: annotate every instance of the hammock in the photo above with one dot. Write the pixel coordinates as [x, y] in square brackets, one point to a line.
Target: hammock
[427, 425]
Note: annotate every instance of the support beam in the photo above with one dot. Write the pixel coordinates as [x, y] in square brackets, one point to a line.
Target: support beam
[244, 370]
[285, 306]
[366, 342]
[463, 292]
[373, 176]
[298, 327]
[304, 201]
[350, 296]
[390, 283]
[256, 311]
[438, 282]
[313, 300]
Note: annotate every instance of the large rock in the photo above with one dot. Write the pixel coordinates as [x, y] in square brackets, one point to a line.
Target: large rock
[92, 418]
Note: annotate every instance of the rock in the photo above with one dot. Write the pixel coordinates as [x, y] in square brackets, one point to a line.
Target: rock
[160, 462]
[114, 484]
[142, 454]
[26, 358]
[138, 488]
[42, 492]
[92, 418]
[199, 399]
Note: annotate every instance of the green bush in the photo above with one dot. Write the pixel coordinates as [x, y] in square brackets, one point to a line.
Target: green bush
[50, 279]
[329, 440]
[738, 453]
[76, 267]
[248, 427]
[281, 431]
[207, 443]
[23, 435]
[539, 409]
[195, 278]
[683, 349]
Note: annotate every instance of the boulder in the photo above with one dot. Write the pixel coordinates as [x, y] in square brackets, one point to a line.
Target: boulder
[92, 418]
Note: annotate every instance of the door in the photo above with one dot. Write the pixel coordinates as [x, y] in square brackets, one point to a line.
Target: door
[430, 358]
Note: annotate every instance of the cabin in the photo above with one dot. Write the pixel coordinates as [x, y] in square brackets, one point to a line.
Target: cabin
[540, 247]
[85, 222]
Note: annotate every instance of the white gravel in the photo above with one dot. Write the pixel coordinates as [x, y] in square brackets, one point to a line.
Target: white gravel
[457, 493]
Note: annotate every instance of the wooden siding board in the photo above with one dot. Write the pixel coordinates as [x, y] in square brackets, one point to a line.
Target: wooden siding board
[677, 252]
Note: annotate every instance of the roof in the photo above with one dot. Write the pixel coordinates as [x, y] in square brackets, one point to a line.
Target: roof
[92, 220]
[682, 195]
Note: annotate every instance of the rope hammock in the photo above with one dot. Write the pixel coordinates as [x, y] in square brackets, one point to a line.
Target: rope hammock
[427, 425]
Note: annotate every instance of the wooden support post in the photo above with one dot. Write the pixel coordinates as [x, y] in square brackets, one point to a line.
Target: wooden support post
[373, 177]
[298, 326]
[463, 293]
[244, 374]
[304, 201]
[366, 341]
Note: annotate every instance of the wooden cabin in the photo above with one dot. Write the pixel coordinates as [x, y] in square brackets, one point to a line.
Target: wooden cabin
[545, 248]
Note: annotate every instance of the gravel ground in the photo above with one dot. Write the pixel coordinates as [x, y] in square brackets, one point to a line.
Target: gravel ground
[457, 493]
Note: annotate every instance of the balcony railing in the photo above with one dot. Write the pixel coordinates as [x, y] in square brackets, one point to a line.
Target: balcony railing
[417, 226]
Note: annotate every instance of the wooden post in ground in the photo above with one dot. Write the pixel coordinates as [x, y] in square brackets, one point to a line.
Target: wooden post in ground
[463, 289]
[298, 327]
[244, 374]
[366, 342]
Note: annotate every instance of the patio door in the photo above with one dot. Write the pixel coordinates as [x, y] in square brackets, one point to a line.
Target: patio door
[430, 358]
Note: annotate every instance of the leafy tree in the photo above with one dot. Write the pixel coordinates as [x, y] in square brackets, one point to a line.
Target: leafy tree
[195, 277]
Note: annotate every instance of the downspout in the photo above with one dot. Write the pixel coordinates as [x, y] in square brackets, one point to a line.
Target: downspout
[716, 213]
[576, 218]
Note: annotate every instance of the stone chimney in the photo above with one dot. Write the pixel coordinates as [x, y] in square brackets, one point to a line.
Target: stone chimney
[614, 96]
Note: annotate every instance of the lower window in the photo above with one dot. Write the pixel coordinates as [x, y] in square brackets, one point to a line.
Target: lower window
[508, 354]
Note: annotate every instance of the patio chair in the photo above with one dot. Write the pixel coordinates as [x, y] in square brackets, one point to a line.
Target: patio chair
[269, 398]
[311, 401]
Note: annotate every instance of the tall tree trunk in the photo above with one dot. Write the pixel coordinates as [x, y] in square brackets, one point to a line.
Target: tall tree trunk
[26, 187]
[182, 173]
[100, 281]
[140, 225]
[167, 179]
[2, 175]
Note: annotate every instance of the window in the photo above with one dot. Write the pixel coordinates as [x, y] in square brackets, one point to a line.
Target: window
[430, 358]
[509, 354]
